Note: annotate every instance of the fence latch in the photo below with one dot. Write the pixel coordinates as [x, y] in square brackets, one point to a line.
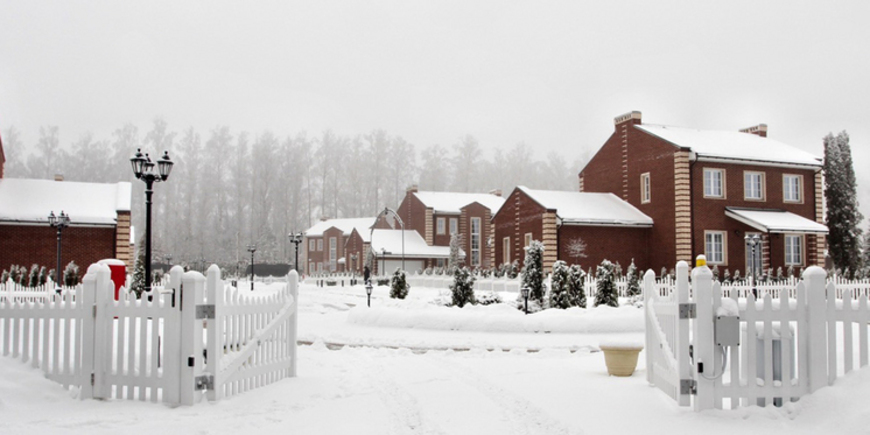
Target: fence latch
[688, 311]
[204, 382]
[688, 386]
[205, 311]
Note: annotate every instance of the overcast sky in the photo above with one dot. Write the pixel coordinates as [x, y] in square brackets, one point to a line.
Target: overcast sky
[550, 74]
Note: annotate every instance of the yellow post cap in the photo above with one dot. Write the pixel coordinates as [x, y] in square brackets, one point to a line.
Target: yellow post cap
[701, 261]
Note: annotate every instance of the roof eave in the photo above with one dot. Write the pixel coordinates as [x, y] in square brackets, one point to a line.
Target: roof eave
[755, 162]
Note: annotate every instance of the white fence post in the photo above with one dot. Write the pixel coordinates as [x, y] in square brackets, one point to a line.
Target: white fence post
[681, 338]
[214, 349]
[704, 352]
[170, 341]
[88, 301]
[293, 283]
[817, 345]
[649, 288]
[191, 336]
[103, 328]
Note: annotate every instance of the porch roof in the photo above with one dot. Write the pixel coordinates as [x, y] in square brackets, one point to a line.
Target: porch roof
[775, 221]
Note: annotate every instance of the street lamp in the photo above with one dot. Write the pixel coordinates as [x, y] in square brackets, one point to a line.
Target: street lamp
[369, 293]
[753, 241]
[143, 169]
[60, 221]
[296, 239]
[252, 248]
[525, 293]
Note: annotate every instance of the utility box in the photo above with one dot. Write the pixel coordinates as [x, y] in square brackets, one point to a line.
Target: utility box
[727, 330]
[119, 273]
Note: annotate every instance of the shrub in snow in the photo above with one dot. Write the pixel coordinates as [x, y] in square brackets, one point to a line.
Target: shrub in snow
[454, 261]
[71, 274]
[462, 287]
[779, 276]
[33, 276]
[663, 273]
[715, 271]
[617, 271]
[789, 272]
[399, 285]
[633, 278]
[727, 277]
[4, 276]
[137, 286]
[533, 271]
[737, 279]
[43, 276]
[841, 202]
[559, 282]
[20, 276]
[488, 298]
[606, 287]
[576, 286]
[513, 270]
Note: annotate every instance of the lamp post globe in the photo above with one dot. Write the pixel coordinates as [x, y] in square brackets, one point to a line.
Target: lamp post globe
[369, 293]
[525, 292]
[143, 169]
[296, 239]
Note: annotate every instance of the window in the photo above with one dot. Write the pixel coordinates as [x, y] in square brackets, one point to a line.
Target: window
[439, 226]
[714, 247]
[753, 186]
[644, 188]
[792, 186]
[320, 244]
[311, 269]
[759, 252]
[506, 250]
[311, 245]
[319, 267]
[714, 183]
[475, 241]
[528, 239]
[794, 253]
[454, 226]
[333, 254]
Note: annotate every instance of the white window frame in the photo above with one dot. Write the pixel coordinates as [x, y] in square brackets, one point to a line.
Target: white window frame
[527, 239]
[454, 226]
[789, 256]
[711, 258]
[319, 245]
[709, 187]
[800, 188]
[759, 251]
[506, 250]
[311, 268]
[333, 254]
[311, 245]
[319, 267]
[749, 179]
[440, 225]
[475, 241]
[645, 188]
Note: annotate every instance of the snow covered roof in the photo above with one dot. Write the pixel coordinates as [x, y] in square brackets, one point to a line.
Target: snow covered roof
[30, 200]
[733, 145]
[415, 246]
[345, 225]
[586, 208]
[775, 221]
[452, 202]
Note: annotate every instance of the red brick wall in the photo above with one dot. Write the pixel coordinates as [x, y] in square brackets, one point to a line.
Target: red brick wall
[413, 214]
[354, 245]
[26, 245]
[519, 215]
[443, 239]
[606, 243]
[476, 210]
[313, 255]
[330, 233]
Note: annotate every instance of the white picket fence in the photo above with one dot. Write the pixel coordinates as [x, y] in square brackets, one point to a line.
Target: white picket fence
[13, 291]
[153, 348]
[790, 344]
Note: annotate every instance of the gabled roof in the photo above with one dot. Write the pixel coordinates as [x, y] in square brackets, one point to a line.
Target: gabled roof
[775, 221]
[415, 246]
[345, 225]
[587, 208]
[452, 202]
[30, 201]
[732, 145]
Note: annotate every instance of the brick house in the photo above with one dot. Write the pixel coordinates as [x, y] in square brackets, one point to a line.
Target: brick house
[707, 190]
[437, 215]
[99, 227]
[324, 244]
[579, 228]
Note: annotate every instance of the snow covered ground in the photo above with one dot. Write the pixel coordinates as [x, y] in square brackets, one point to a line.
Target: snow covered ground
[397, 369]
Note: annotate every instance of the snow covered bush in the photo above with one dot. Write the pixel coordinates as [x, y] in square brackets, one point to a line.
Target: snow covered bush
[4, 276]
[43, 276]
[71, 274]
[462, 287]
[715, 271]
[488, 298]
[533, 272]
[633, 289]
[559, 282]
[137, 286]
[33, 276]
[399, 285]
[576, 286]
[606, 287]
[513, 270]
[455, 260]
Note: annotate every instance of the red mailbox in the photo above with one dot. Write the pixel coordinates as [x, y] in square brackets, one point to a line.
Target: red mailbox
[119, 273]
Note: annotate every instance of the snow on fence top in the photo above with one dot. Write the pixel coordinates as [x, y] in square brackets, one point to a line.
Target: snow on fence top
[23, 200]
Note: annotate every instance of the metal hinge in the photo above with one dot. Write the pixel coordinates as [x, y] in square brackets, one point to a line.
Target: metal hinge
[93, 379]
[205, 311]
[688, 386]
[688, 311]
[95, 311]
[204, 382]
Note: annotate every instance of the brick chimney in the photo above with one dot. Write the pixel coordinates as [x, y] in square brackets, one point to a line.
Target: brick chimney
[58, 177]
[324, 218]
[760, 129]
[496, 192]
[411, 189]
[632, 117]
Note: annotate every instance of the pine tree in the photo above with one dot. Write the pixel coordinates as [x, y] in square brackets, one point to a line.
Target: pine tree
[71, 274]
[533, 271]
[560, 296]
[633, 281]
[727, 277]
[462, 287]
[455, 260]
[513, 270]
[399, 285]
[606, 289]
[137, 286]
[576, 286]
[33, 276]
[43, 278]
[4, 277]
[841, 202]
[715, 271]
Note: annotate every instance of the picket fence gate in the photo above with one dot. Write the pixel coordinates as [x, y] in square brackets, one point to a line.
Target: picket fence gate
[775, 349]
[195, 337]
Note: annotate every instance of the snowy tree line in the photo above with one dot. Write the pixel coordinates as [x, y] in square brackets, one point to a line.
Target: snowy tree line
[229, 188]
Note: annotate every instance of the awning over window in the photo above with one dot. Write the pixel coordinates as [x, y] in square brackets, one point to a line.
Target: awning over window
[775, 221]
